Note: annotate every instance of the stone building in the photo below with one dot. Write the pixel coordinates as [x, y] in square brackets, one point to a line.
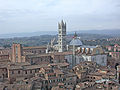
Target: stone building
[52, 76]
[5, 55]
[16, 86]
[106, 84]
[5, 51]
[17, 53]
[3, 72]
[86, 86]
[114, 51]
[59, 57]
[101, 75]
[115, 48]
[34, 50]
[21, 71]
[87, 53]
[118, 73]
[63, 66]
[4, 59]
[98, 85]
[61, 86]
[39, 59]
[83, 69]
[115, 55]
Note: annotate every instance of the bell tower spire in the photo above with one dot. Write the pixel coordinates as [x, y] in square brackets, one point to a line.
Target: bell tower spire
[62, 36]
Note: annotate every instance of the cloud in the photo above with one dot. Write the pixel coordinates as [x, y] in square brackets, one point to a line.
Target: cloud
[37, 14]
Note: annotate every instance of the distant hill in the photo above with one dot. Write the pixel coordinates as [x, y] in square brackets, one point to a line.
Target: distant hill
[104, 32]
[30, 34]
[45, 39]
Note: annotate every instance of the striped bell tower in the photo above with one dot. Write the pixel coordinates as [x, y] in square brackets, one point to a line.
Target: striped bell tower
[62, 36]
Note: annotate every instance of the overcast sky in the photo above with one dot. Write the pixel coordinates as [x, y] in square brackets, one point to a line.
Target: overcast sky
[43, 15]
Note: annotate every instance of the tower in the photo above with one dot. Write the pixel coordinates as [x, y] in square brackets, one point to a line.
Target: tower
[61, 36]
[17, 53]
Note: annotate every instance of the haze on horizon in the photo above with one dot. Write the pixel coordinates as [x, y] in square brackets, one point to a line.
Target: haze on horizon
[18, 16]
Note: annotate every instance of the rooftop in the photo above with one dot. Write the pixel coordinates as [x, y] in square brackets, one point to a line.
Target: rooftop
[37, 47]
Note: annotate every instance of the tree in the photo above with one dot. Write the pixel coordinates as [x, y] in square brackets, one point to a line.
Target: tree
[7, 46]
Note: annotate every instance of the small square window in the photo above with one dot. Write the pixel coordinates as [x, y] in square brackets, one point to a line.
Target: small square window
[25, 72]
[30, 71]
[18, 72]
[12, 72]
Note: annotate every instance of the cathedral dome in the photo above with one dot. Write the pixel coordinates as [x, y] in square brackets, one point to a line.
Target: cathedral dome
[76, 41]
